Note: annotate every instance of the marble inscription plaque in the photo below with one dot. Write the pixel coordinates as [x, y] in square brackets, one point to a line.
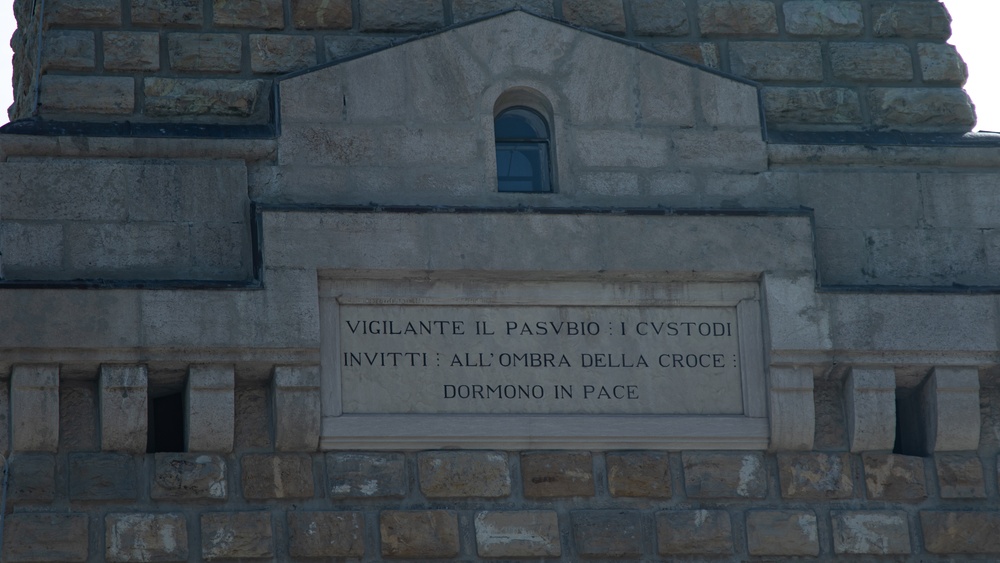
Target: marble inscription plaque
[528, 359]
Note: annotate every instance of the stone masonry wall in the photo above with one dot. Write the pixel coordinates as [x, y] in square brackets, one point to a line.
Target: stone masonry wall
[824, 65]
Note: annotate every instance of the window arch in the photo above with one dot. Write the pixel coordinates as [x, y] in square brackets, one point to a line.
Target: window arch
[523, 150]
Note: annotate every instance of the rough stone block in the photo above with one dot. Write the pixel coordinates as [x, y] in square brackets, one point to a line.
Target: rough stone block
[295, 393]
[518, 534]
[694, 532]
[823, 105]
[171, 97]
[639, 474]
[824, 17]
[870, 398]
[109, 247]
[45, 537]
[737, 17]
[894, 18]
[871, 62]
[34, 408]
[941, 63]
[102, 477]
[167, 13]
[782, 532]
[720, 150]
[31, 478]
[267, 476]
[870, 533]
[401, 15]
[68, 50]
[792, 409]
[950, 400]
[189, 477]
[469, 9]
[326, 534]
[5, 417]
[895, 477]
[922, 109]
[602, 15]
[236, 535]
[706, 54]
[815, 476]
[123, 406]
[252, 419]
[338, 46]
[366, 475]
[419, 534]
[322, 14]
[31, 249]
[953, 533]
[83, 12]
[777, 60]
[281, 53]
[607, 533]
[145, 537]
[210, 407]
[88, 94]
[464, 474]
[131, 50]
[262, 14]
[204, 52]
[550, 474]
[960, 476]
[724, 475]
[660, 17]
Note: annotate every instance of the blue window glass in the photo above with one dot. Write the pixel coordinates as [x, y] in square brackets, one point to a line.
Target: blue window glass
[522, 144]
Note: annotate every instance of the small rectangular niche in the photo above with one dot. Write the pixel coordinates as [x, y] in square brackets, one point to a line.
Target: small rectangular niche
[166, 423]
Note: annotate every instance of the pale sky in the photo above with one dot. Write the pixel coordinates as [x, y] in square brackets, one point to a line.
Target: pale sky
[973, 28]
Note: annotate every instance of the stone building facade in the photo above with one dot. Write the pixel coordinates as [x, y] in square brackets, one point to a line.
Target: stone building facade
[213, 213]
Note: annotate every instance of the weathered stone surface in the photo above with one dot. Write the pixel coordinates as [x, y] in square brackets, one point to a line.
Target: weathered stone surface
[366, 475]
[952, 533]
[167, 13]
[941, 63]
[660, 17]
[326, 534]
[870, 398]
[34, 408]
[32, 478]
[83, 12]
[870, 533]
[922, 109]
[960, 476]
[45, 537]
[281, 53]
[235, 535]
[549, 474]
[529, 533]
[419, 534]
[724, 475]
[145, 537]
[337, 46]
[824, 17]
[895, 18]
[702, 53]
[166, 97]
[871, 62]
[189, 477]
[804, 106]
[791, 409]
[267, 476]
[950, 402]
[774, 60]
[607, 533]
[401, 15]
[68, 50]
[295, 396]
[262, 14]
[815, 476]
[694, 532]
[204, 52]
[123, 404]
[464, 474]
[782, 532]
[102, 477]
[895, 477]
[639, 474]
[131, 50]
[77, 416]
[469, 9]
[251, 431]
[737, 17]
[322, 14]
[601, 15]
[210, 405]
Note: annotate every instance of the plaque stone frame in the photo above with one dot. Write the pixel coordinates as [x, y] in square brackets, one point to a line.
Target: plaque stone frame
[388, 431]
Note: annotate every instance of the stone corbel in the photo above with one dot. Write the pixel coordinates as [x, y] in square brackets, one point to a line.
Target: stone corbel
[950, 403]
[870, 398]
[210, 409]
[296, 396]
[792, 409]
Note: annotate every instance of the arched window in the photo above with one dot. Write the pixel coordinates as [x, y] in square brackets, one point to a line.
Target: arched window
[522, 143]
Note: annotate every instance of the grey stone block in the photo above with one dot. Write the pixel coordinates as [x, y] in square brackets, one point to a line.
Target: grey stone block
[204, 52]
[167, 13]
[146, 537]
[95, 95]
[724, 475]
[68, 50]
[638, 474]
[517, 534]
[871, 533]
[419, 534]
[123, 399]
[871, 62]
[281, 53]
[469, 9]
[401, 15]
[189, 477]
[815, 476]
[210, 407]
[607, 533]
[295, 395]
[823, 17]
[236, 535]
[31, 478]
[361, 475]
[601, 15]
[896, 18]
[102, 477]
[45, 537]
[172, 97]
[777, 60]
[941, 64]
[557, 474]
[84, 12]
[326, 534]
[782, 532]
[660, 17]
[737, 17]
[464, 474]
[895, 477]
[34, 410]
[922, 109]
[694, 532]
[131, 50]
[263, 14]
[805, 106]
[322, 14]
[960, 476]
[277, 476]
[965, 532]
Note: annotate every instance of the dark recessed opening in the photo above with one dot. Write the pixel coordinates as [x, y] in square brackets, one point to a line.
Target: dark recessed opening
[910, 439]
[166, 424]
